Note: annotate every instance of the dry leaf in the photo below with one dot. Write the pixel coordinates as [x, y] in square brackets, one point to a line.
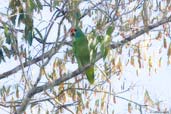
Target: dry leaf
[165, 43]
[129, 108]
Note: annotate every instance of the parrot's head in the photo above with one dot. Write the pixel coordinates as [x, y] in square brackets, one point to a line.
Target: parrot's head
[76, 32]
[73, 31]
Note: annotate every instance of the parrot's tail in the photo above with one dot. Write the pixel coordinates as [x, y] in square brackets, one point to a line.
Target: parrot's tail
[90, 74]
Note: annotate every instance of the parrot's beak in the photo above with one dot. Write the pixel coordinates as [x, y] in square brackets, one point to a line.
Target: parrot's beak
[72, 31]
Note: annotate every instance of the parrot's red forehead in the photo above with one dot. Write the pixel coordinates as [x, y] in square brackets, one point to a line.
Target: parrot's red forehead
[72, 30]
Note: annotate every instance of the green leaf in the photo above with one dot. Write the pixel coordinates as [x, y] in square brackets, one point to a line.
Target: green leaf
[7, 51]
[100, 39]
[97, 102]
[29, 30]
[105, 46]
[8, 90]
[77, 16]
[1, 55]
[56, 3]
[39, 5]
[8, 40]
[13, 18]
[16, 7]
[21, 15]
[80, 96]
[7, 35]
[92, 44]
[38, 32]
[32, 5]
[109, 30]
[30, 37]
[103, 51]
[33, 105]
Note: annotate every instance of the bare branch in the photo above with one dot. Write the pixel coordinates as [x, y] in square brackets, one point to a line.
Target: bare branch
[46, 86]
[114, 46]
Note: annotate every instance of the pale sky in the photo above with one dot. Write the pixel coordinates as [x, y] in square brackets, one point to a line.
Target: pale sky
[157, 84]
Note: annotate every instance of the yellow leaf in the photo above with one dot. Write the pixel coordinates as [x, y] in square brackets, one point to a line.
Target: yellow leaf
[119, 65]
[132, 61]
[43, 72]
[145, 14]
[118, 13]
[63, 67]
[159, 63]
[54, 76]
[139, 56]
[137, 72]
[113, 65]
[103, 101]
[169, 60]
[169, 50]
[159, 36]
[150, 62]
[55, 64]
[131, 21]
[87, 104]
[147, 99]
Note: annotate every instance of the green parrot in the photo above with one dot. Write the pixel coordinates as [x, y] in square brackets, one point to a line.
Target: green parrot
[82, 52]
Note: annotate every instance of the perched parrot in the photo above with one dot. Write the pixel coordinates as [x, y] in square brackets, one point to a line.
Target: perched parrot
[82, 52]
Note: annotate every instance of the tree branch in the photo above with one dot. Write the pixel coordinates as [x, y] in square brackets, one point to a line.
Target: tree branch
[58, 81]
[142, 31]
[53, 50]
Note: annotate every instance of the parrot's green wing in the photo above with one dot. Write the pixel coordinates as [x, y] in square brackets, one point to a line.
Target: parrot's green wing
[82, 53]
[74, 48]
